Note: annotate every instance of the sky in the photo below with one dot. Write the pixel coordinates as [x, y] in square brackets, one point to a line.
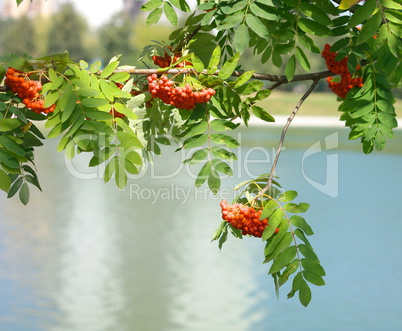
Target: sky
[98, 11]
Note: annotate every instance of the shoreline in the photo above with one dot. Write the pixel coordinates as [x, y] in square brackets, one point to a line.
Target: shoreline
[306, 121]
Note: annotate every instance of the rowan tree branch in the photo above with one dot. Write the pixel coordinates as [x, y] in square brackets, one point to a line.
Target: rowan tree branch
[277, 79]
[260, 76]
[284, 131]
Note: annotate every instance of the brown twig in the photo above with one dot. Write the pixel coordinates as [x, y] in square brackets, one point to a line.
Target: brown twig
[284, 130]
[268, 77]
[187, 39]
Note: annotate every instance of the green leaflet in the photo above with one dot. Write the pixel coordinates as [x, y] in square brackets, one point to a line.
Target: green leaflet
[290, 68]
[214, 61]
[228, 67]
[170, 13]
[203, 175]
[5, 181]
[257, 26]
[283, 259]
[273, 222]
[110, 68]
[313, 27]
[362, 13]
[151, 5]
[214, 181]
[304, 293]
[222, 167]
[241, 38]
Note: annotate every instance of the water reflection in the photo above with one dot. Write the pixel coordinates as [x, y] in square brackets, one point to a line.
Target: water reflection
[84, 256]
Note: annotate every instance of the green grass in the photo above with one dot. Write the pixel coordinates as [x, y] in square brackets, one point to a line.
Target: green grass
[317, 104]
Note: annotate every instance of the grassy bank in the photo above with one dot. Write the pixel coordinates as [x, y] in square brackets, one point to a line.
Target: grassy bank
[317, 104]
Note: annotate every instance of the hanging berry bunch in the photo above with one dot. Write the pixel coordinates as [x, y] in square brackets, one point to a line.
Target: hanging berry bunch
[28, 90]
[340, 67]
[181, 97]
[244, 218]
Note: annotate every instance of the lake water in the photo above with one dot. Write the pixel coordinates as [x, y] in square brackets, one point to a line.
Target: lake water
[84, 256]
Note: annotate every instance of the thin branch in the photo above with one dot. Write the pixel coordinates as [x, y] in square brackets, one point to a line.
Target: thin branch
[187, 39]
[260, 76]
[284, 130]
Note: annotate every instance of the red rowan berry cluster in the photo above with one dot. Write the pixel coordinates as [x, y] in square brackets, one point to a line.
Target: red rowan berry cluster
[180, 97]
[339, 68]
[166, 60]
[244, 218]
[27, 89]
